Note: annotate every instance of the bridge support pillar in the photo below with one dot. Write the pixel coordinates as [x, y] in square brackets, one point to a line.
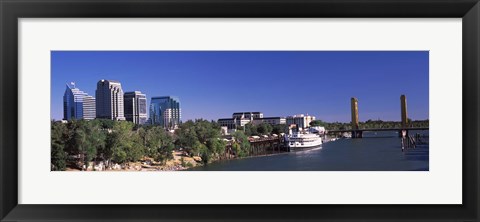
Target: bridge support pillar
[357, 134]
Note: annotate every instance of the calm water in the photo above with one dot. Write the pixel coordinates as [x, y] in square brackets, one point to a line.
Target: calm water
[379, 151]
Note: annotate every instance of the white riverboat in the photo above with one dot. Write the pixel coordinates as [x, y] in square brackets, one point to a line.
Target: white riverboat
[298, 141]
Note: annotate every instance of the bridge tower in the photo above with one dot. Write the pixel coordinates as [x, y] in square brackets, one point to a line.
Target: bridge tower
[403, 101]
[403, 107]
[354, 107]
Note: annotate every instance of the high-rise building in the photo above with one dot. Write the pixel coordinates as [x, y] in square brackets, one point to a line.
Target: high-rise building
[165, 111]
[89, 107]
[109, 102]
[77, 104]
[135, 107]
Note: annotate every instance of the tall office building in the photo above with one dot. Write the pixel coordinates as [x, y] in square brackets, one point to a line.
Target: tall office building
[77, 104]
[165, 111]
[109, 102]
[89, 107]
[135, 107]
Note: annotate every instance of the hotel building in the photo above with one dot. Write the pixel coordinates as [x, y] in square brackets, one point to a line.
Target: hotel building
[109, 102]
[240, 119]
[271, 120]
[135, 107]
[77, 104]
[247, 115]
[165, 111]
[301, 121]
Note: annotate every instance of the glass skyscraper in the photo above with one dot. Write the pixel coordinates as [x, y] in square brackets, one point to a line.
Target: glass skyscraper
[135, 107]
[109, 102]
[165, 111]
[77, 104]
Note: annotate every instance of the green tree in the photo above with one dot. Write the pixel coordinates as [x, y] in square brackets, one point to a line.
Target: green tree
[280, 128]
[187, 137]
[151, 140]
[121, 144]
[216, 147]
[133, 147]
[317, 123]
[58, 140]
[112, 139]
[244, 145]
[119, 155]
[250, 130]
[105, 123]
[206, 130]
[80, 142]
[194, 136]
[264, 129]
[159, 144]
[70, 146]
[96, 139]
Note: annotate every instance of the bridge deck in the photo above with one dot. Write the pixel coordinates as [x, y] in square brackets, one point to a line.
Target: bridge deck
[377, 129]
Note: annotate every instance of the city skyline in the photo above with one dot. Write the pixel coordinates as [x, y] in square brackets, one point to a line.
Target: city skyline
[212, 85]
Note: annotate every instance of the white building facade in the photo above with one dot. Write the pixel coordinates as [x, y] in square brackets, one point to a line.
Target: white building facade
[89, 107]
[301, 121]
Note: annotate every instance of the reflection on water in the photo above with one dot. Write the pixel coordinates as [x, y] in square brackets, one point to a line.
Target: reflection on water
[380, 151]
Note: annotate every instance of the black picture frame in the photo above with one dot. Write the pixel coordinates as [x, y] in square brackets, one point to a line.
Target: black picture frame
[11, 11]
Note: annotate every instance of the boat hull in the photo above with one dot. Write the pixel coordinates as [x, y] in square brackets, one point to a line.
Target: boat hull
[302, 148]
[298, 146]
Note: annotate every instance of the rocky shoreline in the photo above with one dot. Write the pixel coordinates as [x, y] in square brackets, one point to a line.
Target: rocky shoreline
[179, 162]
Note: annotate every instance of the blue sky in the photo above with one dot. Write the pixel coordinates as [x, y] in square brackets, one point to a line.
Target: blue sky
[214, 84]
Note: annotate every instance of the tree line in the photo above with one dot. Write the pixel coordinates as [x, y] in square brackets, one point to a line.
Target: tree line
[81, 141]
[263, 129]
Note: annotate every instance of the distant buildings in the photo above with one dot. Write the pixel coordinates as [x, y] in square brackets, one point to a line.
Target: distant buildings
[135, 107]
[109, 102]
[247, 115]
[77, 104]
[301, 121]
[112, 103]
[231, 123]
[241, 118]
[165, 111]
[271, 120]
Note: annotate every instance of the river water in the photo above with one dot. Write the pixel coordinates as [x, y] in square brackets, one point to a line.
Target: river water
[380, 151]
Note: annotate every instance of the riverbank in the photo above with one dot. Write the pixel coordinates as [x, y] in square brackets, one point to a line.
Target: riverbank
[271, 154]
[375, 152]
[180, 161]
